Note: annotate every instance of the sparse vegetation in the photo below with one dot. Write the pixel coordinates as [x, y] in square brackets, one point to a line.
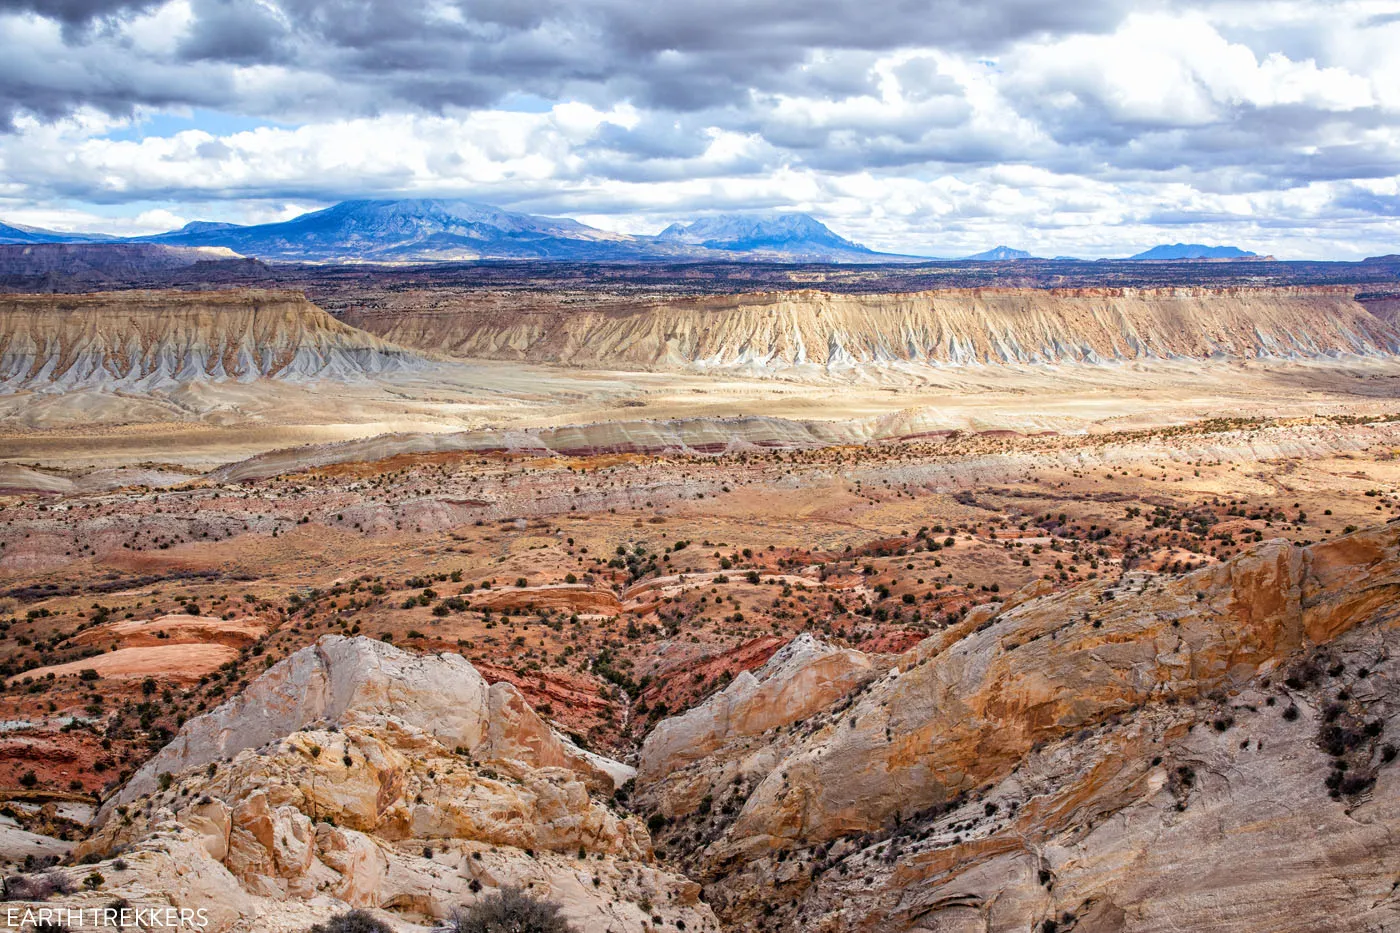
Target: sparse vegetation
[353, 921]
[509, 910]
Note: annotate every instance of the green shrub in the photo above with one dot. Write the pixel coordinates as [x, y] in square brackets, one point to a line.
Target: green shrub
[354, 921]
[509, 910]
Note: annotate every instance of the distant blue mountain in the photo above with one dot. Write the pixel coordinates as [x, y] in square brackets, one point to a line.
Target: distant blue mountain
[1195, 251]
[206, 226]
[1000, 254]
[425, 230]
[785, 236]
[19, 234]
[409, 230]
[429, 230]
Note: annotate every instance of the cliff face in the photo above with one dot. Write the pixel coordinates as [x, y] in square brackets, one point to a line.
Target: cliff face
[155, 339]
[803, 679]
[1090, 758]
[812, 329]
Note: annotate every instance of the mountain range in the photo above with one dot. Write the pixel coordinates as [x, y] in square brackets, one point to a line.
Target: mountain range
[410, 230]
[431, 230]
[785, 236]
[424, 230]
[19, 234]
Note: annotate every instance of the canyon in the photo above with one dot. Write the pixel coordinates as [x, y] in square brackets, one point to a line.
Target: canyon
[703, 609]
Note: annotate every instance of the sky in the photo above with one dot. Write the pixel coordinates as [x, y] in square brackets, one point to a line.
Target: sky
[940, 127]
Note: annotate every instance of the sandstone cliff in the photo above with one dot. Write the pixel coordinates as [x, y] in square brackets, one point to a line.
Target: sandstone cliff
[834, 333]
[353, 774]
[706, 748]
[1086, 760]
[149, 340]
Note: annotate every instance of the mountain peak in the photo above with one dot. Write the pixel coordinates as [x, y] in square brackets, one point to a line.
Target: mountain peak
[404, 229]
[1000, 254]
[1194, 251]
[434, 215]
[206, 226]
[799, 235]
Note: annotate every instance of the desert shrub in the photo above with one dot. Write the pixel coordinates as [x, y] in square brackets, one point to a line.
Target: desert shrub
[353, 921]
[509, 910]
[37, 887]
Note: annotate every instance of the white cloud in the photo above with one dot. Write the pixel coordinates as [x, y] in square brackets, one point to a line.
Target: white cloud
[1274, 124]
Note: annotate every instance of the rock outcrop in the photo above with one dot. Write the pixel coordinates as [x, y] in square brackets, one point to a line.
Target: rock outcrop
[353, 774]
[803, 678]
[347, 682]
[74, 267]
[151, 340]
[1088, 760]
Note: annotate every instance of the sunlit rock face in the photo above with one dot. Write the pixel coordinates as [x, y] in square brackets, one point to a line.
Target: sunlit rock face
[1091, 758]
[159, 340]
[833, 334]
[354, 774]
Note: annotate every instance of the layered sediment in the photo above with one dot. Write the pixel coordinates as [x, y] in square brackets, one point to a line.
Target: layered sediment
[354, 774]
[151, 340]
[1081, 760]
[811, 329]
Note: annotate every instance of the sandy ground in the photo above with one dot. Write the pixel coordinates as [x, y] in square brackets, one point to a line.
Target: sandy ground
[179, 661]
[204, 425]
[174, 629]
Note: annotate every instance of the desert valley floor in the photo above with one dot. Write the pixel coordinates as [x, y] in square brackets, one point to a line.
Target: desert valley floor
[938, 610]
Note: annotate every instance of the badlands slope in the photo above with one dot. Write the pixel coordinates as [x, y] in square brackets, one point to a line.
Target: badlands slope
[149, 340]
[967, 683]
[821, 331]
[1088, 760]
[203, 379]
[1029, 720]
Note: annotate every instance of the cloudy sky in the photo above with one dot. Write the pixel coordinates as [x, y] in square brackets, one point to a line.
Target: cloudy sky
[938, 127]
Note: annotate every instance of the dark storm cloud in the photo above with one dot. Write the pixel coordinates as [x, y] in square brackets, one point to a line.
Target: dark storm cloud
[239, 31]
[1368, 203]
[34, 84]
[77, 12]
[469, 53]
